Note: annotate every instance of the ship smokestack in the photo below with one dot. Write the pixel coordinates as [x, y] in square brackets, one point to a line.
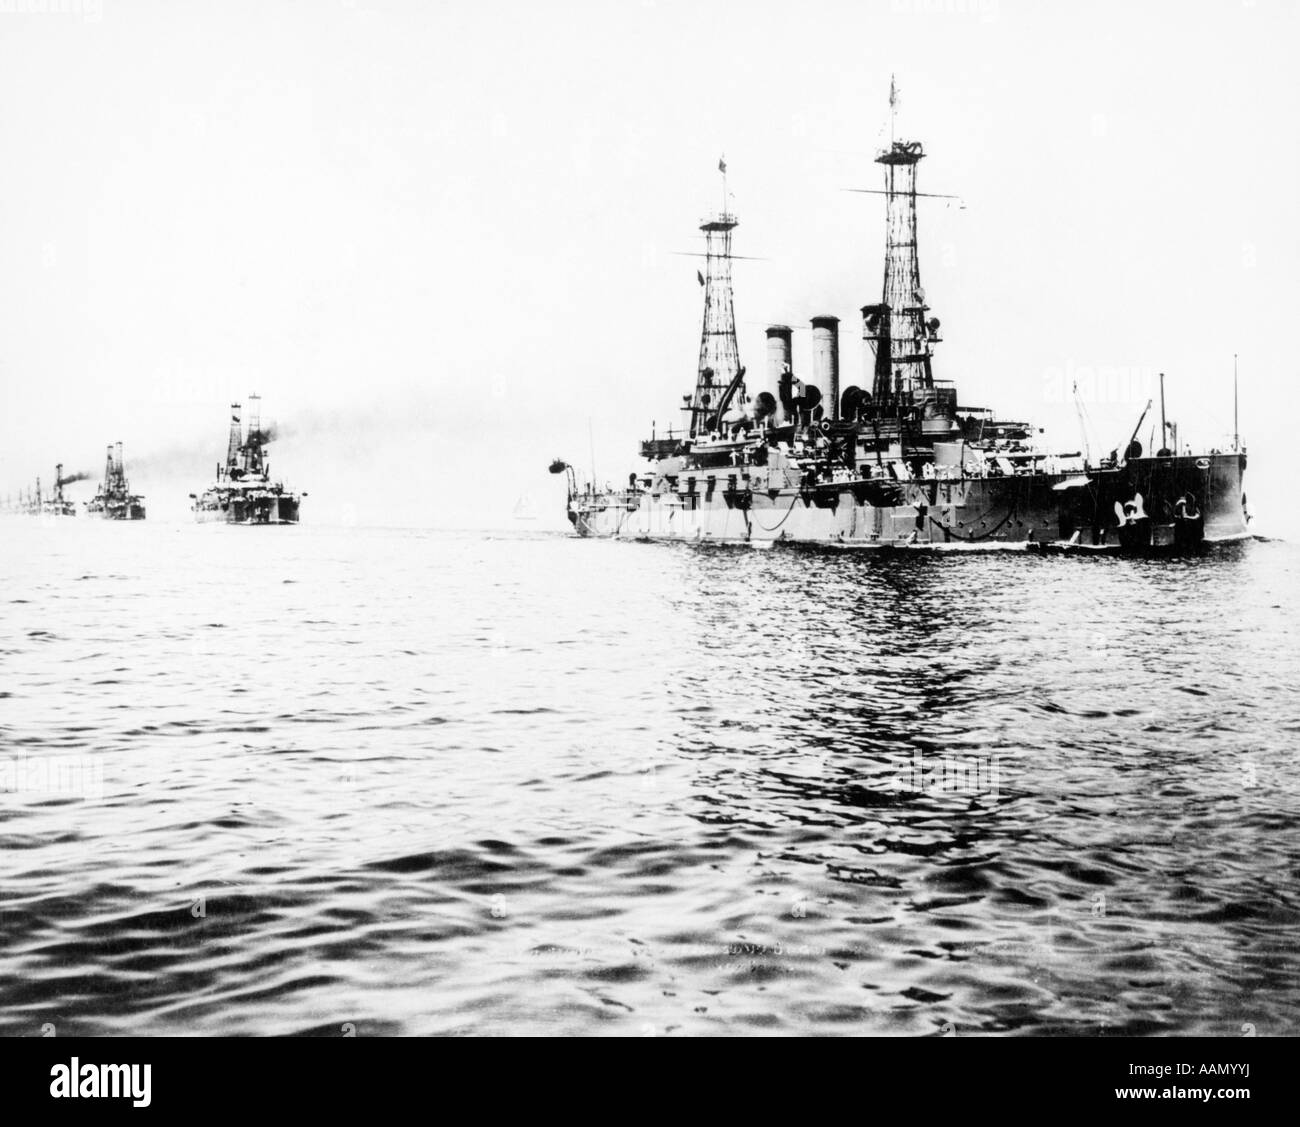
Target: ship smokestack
[778, 360]
[826, 358]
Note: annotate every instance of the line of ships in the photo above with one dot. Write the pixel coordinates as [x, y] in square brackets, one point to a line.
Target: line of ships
[898, 462]
[243, 492]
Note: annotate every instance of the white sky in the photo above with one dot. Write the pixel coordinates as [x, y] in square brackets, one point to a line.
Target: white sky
[437, 238]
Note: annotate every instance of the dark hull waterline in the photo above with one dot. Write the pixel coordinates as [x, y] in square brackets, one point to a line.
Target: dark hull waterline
[1148, 504]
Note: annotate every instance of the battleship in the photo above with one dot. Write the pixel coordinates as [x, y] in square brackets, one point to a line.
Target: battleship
[34, 502]
[244, 491]
[114, 499]
[898, 462]
[56, 505]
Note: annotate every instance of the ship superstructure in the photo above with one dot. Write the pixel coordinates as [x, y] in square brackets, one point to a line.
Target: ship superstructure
[244, 491]
[895, 461]
[114, 499]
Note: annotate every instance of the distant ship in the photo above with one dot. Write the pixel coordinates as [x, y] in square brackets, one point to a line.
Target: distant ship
[56, 505]
[244, 491]
[19, 505]
[114, 500]
[898, 462]
[35, 503]
[525, 508]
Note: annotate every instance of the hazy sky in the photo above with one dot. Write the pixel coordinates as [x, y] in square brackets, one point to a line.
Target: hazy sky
[437, 237]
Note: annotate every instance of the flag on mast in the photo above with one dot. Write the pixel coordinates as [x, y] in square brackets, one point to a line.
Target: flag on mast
[700, 276]
[722, 165]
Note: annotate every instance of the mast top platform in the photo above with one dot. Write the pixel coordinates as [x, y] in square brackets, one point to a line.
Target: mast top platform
[902, 152]
[723, 221]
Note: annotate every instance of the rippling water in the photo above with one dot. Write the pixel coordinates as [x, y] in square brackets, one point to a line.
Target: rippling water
[280, 780]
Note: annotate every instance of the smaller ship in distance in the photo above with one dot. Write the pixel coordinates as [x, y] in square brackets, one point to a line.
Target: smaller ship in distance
[35, 503]
[525, 508]
[114, 500]
[244, 491]
[56, 505]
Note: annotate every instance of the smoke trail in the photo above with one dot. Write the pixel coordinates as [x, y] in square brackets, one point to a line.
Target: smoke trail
[350, 433]
[72, 478]
[183, 459]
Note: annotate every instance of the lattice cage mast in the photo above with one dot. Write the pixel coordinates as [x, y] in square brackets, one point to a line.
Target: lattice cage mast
[719, 364]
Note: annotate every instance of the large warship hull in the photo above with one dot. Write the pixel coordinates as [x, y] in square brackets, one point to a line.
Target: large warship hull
[262, 510]
[115, 510]
[1146, 504]
[58, 509]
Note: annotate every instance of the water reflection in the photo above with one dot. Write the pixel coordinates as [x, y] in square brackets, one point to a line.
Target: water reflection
[531, 784]
[952, 756]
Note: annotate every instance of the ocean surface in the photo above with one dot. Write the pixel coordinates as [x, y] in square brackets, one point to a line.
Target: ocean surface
[346, 780]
